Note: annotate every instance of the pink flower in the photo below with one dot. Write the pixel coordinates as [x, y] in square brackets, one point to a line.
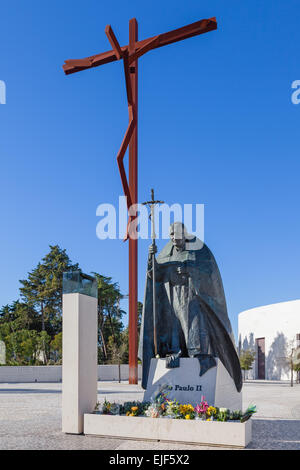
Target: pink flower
[202, 407]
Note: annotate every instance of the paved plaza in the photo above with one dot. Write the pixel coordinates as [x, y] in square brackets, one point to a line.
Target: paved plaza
[30, 418]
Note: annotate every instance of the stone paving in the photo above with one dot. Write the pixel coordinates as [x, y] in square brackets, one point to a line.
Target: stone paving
[30, 418]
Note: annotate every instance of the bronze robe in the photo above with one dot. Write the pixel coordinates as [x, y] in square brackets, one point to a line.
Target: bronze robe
[191, 309]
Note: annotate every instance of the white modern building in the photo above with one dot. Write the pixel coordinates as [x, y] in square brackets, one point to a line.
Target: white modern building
[272, 331]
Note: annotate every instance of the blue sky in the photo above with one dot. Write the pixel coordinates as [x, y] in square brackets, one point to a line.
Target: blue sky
[216, 126]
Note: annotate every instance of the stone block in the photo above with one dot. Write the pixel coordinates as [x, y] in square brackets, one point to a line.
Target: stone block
[79, 368]
[187, 386]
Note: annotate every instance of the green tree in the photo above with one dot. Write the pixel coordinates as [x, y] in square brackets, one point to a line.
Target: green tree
[26, 347]
[44, 346]
[247, 357]
[109, 315]
[125, 334]
[19, 315]
[56, 347]
[117, 353]
[14, 318]
[8, 313]
[32, 326]
[42, 290]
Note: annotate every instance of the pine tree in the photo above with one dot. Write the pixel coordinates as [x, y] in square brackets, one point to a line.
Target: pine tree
[18, 316]
[42, 290]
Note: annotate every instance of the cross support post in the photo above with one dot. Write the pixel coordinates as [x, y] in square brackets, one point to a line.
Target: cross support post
[133, 185]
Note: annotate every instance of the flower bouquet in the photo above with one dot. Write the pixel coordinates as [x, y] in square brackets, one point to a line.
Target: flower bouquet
[161, 407]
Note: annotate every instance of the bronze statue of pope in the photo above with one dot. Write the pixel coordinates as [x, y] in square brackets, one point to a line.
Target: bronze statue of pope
[191, 313]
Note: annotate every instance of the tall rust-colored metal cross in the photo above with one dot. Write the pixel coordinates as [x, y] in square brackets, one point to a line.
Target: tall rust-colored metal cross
[130, 55]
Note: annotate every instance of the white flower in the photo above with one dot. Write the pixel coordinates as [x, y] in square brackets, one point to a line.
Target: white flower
[152, 412]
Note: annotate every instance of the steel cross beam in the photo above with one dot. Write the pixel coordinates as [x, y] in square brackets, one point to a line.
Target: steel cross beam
[130, 55]
[194, 29]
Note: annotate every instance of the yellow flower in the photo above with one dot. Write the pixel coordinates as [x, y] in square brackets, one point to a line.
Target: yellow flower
[128, 413]
[134, 408]
[187, 416]
[208, 419]
[184, 409]
[211, 410]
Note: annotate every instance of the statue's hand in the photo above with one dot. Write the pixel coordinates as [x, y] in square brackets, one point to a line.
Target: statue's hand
[173, 361]
[152, 249]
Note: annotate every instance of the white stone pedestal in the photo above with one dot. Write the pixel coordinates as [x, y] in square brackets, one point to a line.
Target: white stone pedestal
[216, 385]
[212, 433]
[79, 368]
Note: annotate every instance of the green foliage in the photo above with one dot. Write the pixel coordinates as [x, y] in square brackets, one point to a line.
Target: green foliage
[42, 290]
[56, 347]
[26, 347]
[126, 407]
[29, 326]
[125, 335]
[110, 326]
[235, 415]
[32, 326]
[17, 316]
[248, 413]
[247, 357]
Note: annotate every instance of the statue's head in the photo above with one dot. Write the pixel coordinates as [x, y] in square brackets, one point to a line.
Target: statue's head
[178, 234]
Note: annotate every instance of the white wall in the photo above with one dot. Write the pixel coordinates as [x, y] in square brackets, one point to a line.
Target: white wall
[29, 374]
[111, 372]
[20, 374]
[278, 324]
